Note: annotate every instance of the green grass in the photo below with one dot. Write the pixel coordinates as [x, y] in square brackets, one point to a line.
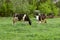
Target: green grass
[22, 31]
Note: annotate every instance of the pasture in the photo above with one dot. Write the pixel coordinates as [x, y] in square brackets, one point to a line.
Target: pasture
[23, 31]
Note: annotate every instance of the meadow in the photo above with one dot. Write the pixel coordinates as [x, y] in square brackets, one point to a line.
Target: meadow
[24, 31]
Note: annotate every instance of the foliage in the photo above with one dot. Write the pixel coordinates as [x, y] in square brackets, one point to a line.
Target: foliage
[8, 7]
[58, 4]
[48, 7]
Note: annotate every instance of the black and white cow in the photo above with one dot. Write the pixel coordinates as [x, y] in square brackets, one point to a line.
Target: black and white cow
[19, 17]
[41, 17]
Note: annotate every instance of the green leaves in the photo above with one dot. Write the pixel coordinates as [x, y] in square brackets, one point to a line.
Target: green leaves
[6, 8]
[45, 8]
[48, 7]
[27, 6]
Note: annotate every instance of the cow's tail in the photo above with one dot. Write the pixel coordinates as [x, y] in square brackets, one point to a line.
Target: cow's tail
[27, 17]
[30, 22]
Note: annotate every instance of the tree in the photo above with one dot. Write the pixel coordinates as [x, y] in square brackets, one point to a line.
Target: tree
[48, 7]
[58, 5]
[6, 8]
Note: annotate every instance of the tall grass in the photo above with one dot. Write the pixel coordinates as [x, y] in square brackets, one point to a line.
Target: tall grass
[22, 31]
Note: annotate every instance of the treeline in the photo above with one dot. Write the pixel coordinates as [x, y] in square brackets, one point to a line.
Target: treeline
[9, 7]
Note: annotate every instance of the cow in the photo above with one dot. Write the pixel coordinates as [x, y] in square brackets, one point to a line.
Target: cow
[21, 16]
[41, 17]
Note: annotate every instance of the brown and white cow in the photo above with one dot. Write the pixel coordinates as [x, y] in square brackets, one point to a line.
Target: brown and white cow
[41, 18]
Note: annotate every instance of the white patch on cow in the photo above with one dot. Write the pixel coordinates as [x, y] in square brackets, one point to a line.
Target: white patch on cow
[24, 17]
[40, 22]
[37, 17]
[16, 18]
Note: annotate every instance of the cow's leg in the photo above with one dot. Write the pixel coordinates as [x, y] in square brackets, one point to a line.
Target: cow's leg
[15, 19]
[45, 21]
[42, 21]
[39, 22]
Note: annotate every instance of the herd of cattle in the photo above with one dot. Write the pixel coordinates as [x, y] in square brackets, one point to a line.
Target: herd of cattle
[40, 17]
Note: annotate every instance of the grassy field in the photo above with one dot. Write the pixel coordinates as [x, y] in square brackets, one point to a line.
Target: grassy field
[22, 31]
